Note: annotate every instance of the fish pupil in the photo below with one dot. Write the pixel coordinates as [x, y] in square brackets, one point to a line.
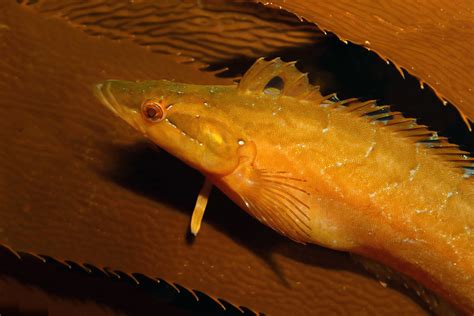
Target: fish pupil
[153, 111]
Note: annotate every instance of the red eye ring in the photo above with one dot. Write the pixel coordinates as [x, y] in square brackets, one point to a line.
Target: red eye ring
[153, 111]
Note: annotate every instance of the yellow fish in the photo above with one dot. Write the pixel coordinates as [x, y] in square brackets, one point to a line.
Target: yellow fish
[348, 175]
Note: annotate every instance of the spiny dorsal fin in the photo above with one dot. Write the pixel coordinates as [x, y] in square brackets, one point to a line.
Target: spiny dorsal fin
[279, 78]
[408, 127]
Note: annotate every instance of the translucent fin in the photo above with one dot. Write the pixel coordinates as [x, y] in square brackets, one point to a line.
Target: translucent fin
[409, 129]
[200, 207]
[277, 199]
[276, 77]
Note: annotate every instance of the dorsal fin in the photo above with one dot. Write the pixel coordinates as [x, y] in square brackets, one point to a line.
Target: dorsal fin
[410, 129]
[280, 78]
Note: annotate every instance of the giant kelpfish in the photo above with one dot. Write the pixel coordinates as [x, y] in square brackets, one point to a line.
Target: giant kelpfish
[349, 175]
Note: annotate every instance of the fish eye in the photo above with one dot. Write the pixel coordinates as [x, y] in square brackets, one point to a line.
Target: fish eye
[153, 111]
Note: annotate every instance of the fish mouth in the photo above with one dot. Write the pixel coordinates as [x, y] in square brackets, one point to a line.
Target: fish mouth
[120, 98]
[105, 96]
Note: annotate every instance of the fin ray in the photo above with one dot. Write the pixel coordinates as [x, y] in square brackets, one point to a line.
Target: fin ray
[278, 203]
[410, 129]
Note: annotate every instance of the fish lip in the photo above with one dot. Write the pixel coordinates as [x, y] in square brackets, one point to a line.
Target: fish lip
[99, 93]
[106, 97]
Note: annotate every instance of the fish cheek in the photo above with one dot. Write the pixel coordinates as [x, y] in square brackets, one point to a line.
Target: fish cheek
[221, 154]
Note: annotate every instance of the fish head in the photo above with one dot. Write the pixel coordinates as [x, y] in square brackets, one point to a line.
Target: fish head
[175, 117]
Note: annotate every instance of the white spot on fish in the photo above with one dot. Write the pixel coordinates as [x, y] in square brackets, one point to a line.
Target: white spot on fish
[370, 149]
[241, 142]
[325, 130]
[413, 172]
[423, 211]
[434, 136]
[408, 241]
[173, 125]
[468, 229]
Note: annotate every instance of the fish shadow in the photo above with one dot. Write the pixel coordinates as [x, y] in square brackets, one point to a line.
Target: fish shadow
[135, 169]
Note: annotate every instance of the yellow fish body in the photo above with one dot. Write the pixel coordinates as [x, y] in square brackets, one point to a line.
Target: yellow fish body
[347, 175]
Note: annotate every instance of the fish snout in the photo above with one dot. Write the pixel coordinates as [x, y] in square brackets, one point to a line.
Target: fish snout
[102, 92]
[124, 99]
[120, 96]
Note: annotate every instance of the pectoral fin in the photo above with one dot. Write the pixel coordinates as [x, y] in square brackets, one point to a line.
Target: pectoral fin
[278, 199]
[200, 207]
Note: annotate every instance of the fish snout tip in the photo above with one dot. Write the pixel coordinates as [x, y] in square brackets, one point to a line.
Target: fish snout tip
[98, 87]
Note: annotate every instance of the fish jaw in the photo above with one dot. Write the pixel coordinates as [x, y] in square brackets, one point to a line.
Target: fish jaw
[188, 127]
